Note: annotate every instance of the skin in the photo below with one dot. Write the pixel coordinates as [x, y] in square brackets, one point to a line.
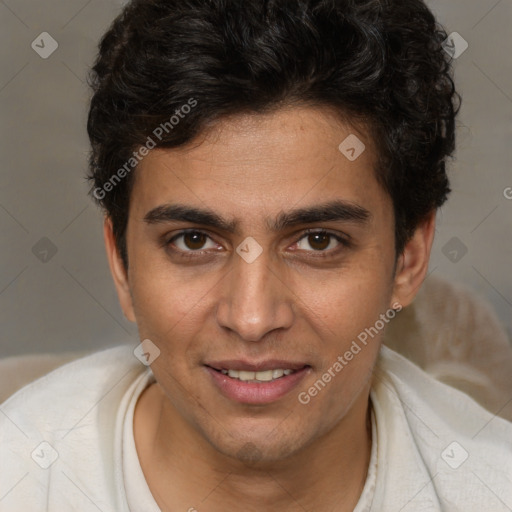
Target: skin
[290, 303]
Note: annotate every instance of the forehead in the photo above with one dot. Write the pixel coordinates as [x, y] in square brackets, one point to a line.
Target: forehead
[261, 163]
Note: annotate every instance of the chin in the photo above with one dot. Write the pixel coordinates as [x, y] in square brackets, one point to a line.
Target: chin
[259, 447]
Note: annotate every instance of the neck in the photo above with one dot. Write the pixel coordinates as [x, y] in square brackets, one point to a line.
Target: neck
[185, 472]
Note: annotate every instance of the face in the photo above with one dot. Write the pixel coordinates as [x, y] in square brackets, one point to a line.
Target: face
[261, 246]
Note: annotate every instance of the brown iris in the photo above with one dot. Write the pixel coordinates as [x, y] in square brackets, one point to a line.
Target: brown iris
[319, 241]
[194, 239]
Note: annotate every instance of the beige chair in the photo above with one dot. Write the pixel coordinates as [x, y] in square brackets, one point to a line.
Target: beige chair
[456, 337]
[448, 331]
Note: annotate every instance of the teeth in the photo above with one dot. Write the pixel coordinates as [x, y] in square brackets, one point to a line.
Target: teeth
[277, 373]
[263, 376]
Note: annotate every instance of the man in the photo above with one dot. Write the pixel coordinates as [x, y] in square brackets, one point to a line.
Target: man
[270, 173]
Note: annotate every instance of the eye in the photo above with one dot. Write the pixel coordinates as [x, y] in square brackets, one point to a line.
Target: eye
[197, 243]
[320, 241]
[191, 241]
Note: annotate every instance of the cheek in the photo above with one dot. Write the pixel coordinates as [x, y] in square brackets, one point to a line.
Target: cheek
[163, 293]
[346, 343]
[346, 302]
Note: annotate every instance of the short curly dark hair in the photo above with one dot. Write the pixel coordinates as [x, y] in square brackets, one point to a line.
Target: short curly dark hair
[378, 61]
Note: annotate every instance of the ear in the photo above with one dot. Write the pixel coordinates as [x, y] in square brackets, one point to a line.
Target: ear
[412, 264]
[119, 274]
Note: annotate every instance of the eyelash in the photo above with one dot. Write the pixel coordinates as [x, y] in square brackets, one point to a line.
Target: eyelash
[197, 253]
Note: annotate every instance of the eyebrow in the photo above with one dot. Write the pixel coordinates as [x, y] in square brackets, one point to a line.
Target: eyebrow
[337, 210]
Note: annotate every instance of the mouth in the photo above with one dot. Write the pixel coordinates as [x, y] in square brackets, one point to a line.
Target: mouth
[256, 384]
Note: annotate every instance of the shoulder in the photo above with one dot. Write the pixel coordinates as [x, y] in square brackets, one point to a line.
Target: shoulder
[461, 450]
[61, 430]
[79, 381]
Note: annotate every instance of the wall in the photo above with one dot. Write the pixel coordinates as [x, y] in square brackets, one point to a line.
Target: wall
[55, 288]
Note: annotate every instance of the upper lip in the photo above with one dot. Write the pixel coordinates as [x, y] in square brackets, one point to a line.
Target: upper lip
[269, 364]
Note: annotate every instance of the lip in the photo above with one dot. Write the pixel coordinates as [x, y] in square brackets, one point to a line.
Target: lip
[257, 393]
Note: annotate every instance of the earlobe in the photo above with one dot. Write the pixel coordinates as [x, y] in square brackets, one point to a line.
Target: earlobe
[412, 264]
[118, 271]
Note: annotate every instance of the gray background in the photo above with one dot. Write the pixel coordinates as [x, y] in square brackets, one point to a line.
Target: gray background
[68, 302]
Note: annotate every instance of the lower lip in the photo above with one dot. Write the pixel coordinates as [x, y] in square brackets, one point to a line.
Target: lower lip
[256, 393]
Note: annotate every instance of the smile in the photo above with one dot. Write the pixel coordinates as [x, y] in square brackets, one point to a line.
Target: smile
[256, 387]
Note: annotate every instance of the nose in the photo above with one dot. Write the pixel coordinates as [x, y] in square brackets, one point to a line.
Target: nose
[255, 301]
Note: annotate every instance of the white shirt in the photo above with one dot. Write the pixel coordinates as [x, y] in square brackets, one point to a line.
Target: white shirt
[67, 442]
[138, 495]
